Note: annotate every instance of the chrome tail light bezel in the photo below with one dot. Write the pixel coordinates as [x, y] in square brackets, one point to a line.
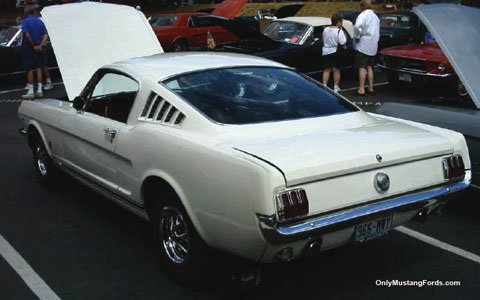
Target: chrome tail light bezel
[453, 168]
[291, 204]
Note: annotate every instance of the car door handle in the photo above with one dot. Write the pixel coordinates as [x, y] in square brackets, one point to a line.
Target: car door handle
[112, 133]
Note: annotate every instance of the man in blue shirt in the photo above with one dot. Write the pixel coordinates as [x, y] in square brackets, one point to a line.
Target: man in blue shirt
[34, 39]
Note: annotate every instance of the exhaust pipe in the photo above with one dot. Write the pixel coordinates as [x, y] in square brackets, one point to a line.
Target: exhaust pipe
[314, 247]
[421, 216]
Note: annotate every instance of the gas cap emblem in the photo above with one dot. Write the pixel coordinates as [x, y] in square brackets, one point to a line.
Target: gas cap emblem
[379, 158]
[381, 182]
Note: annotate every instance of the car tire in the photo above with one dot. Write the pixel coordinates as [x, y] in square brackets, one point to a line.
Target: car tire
[44, 168]
[461, 89]
[180, 46]
[182, 250]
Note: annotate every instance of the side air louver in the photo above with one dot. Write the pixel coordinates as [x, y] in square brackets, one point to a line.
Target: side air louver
[148, 104]
[179, 119]
[163, 109]
[159, 110]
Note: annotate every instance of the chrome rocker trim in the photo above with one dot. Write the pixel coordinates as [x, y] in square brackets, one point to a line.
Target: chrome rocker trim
[276, 233]
[414, 72]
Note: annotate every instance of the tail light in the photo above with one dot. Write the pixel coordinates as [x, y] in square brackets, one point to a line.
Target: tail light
[453, 167]
[292, 204]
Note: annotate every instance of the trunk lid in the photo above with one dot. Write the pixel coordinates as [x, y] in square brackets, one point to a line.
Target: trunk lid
[320, 154]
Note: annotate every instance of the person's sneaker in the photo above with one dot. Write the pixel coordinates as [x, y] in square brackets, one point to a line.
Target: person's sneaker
[48, 86]
[39, 94]
[26, 87]
[336, 89]
[28, 96]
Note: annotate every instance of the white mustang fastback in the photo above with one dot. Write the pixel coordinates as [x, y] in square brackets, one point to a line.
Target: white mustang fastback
[236, 152]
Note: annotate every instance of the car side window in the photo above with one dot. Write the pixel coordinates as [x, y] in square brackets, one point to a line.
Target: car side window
[201, 22]
[113, 96]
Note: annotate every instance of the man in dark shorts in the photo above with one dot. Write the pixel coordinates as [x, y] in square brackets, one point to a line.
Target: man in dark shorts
[33, 57]
[366, 34]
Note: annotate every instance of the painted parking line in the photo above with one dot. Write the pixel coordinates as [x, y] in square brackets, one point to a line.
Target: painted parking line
[23, 89]
[23, 269]
[434, 242]
[10, 100]
[354, 88]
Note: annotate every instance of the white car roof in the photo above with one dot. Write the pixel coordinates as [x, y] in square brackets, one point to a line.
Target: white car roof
[318, 21]
[162, 66]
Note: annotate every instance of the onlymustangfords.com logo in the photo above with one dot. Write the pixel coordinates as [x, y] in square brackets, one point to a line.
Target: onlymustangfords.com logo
[416, 283]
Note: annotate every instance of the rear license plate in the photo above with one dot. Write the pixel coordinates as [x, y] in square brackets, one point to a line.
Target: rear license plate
[372, 229]
[405, 77]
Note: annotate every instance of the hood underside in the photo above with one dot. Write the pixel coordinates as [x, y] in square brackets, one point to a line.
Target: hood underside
[86, 36]
[455, 28]
[288, 11]
[240, 29]
[229, 8]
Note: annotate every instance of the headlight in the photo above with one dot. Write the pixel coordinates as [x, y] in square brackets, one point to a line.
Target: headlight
[441, 67]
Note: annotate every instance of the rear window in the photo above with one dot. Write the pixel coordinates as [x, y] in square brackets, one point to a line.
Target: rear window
[392, 20]
[256, 94]
[163, 21]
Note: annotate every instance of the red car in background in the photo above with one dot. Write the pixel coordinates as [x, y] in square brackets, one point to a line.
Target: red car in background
[419, 64]
[186, 30]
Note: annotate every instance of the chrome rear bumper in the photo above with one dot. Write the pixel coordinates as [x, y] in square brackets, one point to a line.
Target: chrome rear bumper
[314, 227]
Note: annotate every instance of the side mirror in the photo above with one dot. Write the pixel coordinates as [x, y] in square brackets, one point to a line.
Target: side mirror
[79, 103]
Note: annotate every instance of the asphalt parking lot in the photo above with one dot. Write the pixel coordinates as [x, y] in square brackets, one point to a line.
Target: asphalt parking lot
[71, 243]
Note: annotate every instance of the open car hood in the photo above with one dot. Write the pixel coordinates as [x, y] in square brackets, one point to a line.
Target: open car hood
[229, 8]
[240, 29]
[96, 34]
[455, 28]
[288, 10]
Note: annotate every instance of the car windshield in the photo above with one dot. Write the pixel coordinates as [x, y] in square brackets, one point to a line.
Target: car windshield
[244, 95]
[6, 34]
[163, 21]
[395, 20]
[284, 31]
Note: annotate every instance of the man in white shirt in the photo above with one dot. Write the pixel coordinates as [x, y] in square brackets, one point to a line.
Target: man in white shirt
[366, 35]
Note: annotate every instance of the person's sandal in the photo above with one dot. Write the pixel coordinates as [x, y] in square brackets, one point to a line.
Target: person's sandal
[356, 93]
[370, 92]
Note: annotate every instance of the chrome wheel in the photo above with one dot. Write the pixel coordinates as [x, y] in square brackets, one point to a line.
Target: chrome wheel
[41, 157]
[180, 46]
[461, 89]
[174, 234]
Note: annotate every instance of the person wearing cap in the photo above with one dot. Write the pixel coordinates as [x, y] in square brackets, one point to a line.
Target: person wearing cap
[34, 39]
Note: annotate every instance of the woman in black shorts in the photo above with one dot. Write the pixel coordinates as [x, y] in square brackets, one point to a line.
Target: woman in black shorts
[333, 36]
